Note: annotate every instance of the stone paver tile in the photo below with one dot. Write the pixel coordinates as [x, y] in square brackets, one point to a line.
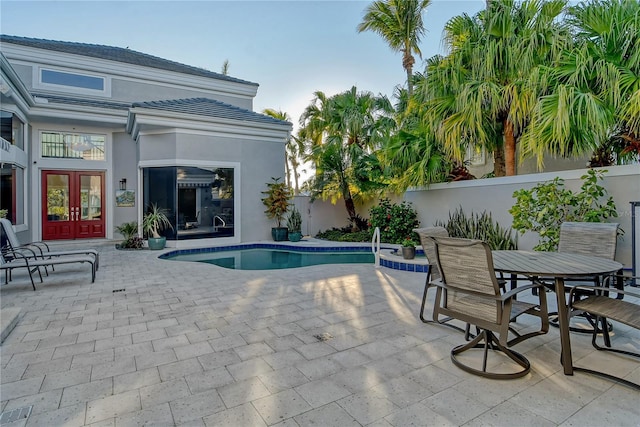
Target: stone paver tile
[179, 369]
[111, 369]
[58, 341]
[466, 408]
[283, 379]
[159, 415]
[39, 335]
[282, 359]
[164, 392]
[330, 415]
[23, 359]
[219, 359]
[170, 342]
[350, 358]
[279, 406]
[73, 349]
[377, 349]
[79, 329]
[162, 323]
[152, 359]
[100, 334]
[16, 389]
[242, 392]
[64, 379]
[433, 378]
[93, 358]
[508, 413]
[284, 343]
[13, 373]
[320, 392]
[42, 402]
[116, 341]
[190, 408]
[417, 415]
[318, 368]
[251, 351]
[113, 406]
[135, 380]
[7, 350]
[315, 350]
[402, 391]
[243, 415]
[155, 334]
[249, 368]
[367, 407]
[261, 335]
[142, 348]
[51, 366]
[226, 342]
[129, 329]
[198, 336]
[192, 350]
[207, 380]
[88, 391]
[69, 416]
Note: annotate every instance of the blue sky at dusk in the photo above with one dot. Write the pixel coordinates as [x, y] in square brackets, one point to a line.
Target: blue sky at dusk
[291, 48]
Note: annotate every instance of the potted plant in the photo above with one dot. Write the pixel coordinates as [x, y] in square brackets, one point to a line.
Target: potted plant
[408, 248]
[277, 203]
[294, 225]
[154, 221]
[129, 231]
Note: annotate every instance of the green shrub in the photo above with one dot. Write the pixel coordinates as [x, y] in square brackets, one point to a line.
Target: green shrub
[547, 205]
[396, 221]
[480, 227]
[129, 231]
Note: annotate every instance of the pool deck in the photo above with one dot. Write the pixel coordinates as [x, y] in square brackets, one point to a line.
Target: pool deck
[162, 343]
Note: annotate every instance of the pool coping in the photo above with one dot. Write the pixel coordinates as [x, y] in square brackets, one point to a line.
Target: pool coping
[388, 253]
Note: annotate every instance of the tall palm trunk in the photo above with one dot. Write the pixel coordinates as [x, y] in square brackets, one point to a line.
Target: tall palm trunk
[287, 170]
[498, 161]
[407, 63]
[509, 148]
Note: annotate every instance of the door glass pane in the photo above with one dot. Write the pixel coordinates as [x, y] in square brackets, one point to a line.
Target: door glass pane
[90, 198]
[58, 197]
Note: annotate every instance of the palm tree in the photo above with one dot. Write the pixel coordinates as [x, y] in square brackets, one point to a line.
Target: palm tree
[341, 133]
[399, 23]
[481, 92]
[595, 90]
[293, 150]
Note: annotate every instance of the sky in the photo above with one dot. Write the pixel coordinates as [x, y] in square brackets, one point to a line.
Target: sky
[290, 48]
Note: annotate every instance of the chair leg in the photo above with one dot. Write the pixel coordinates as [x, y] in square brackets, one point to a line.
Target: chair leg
[490, 342]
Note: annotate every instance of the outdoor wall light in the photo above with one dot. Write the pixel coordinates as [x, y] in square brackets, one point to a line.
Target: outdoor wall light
[123, 184]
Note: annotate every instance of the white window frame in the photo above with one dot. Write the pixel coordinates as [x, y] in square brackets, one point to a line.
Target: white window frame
[39, 84]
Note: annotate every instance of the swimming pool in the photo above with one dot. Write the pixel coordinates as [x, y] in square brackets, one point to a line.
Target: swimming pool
[267, 256]
[273, 257]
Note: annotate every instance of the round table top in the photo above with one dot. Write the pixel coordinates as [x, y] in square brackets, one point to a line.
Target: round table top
[552, 264]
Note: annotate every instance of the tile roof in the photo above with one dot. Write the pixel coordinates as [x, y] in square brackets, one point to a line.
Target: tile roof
[118, 54]
[208, 107]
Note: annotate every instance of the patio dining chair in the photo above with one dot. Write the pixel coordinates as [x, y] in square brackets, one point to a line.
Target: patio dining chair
[601, 304]
[597, 239]
[468, 290]
[429, 249]
[40, 250]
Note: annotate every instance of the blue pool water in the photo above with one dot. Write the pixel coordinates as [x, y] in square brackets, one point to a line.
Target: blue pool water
[272, 257]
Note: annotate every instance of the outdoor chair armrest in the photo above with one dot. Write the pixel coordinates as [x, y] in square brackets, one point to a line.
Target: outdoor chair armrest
[501, 297]
[519, 289]
[17, 252]
[600, 290]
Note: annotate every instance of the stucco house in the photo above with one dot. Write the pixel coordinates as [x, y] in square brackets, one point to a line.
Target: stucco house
[92, 135]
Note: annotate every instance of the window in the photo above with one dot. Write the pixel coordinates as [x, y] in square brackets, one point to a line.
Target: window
[200, 201]
[72, 145]
[72, 79]
[11, 192]
[11, 129]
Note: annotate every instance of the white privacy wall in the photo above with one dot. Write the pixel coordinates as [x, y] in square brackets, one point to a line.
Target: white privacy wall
[494, 195]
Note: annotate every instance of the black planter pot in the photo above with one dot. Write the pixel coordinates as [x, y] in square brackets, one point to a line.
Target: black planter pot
[408, 253]
[280, 234]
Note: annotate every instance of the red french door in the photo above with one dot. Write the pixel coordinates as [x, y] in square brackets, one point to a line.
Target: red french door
[72, 205]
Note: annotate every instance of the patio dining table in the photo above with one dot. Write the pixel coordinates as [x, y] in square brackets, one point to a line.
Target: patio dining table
[559, 266]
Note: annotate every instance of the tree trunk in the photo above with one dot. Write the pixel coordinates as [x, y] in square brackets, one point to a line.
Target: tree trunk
[498, 161]
[294, 167]
[351, 209]
[287, 171]
[509, 148]
[407, 64]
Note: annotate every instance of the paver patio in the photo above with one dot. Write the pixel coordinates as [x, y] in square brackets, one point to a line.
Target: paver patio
[156, 342]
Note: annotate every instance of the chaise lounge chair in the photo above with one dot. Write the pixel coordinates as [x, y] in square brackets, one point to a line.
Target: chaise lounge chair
[40, 250]
[33, 264]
